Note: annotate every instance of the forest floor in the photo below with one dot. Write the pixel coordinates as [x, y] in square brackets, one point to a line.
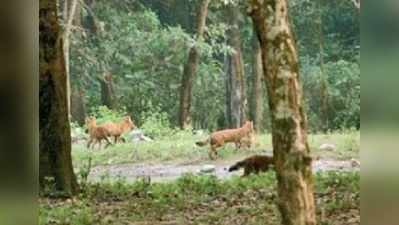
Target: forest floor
[171, 157]
[159, 172]
[117, 192]
[201, 200]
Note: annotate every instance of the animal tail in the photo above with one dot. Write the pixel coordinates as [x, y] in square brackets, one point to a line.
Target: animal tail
[202, 143]
[237, 166]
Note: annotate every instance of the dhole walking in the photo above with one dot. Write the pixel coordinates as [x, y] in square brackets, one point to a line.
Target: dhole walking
[117, 129]
[96, 133]
[219, 138]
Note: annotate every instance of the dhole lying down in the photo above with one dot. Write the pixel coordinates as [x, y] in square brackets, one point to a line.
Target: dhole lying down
[219, 138]
[254, 164]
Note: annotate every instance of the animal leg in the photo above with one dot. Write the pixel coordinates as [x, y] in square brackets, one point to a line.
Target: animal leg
[99, 143]
[94, 143]
[213, 150]
[89, 143]
[238, 144]
[116, 137]
[247, 171]
[108, 142]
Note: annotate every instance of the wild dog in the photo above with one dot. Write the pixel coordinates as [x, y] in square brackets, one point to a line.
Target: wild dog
[248, 141]
[219, 138]
[96, 133]
[254, 164]
[117, 129]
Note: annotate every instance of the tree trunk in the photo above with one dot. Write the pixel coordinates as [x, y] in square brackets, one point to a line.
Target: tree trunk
[256, 103]
[89, 21]
[69, 16]
[323, 76]
[190, 68]
[356, 3]
[289, 123]
[55, 138]
[107, 91]
[235, 85]
[78, 108]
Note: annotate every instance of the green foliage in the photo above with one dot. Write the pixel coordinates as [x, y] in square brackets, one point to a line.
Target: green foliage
[156, 125]
[145, 58]
[343, 93]
[145, 45]
[77, 213]
[103, 114]
[344, 186]
[190, 184]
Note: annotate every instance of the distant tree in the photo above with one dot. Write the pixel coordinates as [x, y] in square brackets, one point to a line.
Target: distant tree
[289, 124]
[78, 107]
[356, 3]
[323, 75]
[70, 18]
[190, 68]
[236, 101]
[54, 128]
[107, 90]
[256, 100]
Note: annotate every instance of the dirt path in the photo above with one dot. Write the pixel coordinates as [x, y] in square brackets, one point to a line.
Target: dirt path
[170, 171]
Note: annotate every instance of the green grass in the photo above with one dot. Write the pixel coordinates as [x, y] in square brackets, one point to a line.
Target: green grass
[201, 200]
[181, 147]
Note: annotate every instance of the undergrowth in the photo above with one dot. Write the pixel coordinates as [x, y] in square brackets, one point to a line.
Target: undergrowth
[201, 200]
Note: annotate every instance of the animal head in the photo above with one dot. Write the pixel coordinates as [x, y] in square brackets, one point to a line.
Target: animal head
[90, 122]
[249, 124]
[128, 122]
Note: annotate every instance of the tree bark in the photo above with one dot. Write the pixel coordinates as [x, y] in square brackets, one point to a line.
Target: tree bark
[235, 85]
[54, 129]
[256, 103]
[69, 16]
[289, 123]
[190, 68]
[107, 91]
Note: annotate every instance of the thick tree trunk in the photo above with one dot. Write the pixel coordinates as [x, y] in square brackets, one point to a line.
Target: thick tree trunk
[289, 124]
[107, 91]
[235, 85]
[78, 108]
[190, 69]
[256, 102]
[55, 138]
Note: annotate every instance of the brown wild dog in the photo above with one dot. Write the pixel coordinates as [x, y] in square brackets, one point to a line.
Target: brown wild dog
[219, 138]
[96, 133]
[117, 129]
[254, 164]
[248, 141]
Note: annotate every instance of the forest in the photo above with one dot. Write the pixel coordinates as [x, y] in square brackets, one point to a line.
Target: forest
[199, 112]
